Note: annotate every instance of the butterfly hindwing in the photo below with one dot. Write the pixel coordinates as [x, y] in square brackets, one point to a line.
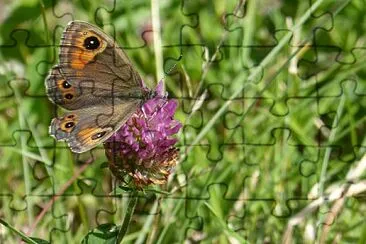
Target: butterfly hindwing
[84, 129]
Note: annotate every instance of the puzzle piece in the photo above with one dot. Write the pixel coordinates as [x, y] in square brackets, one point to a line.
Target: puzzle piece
[252, 166]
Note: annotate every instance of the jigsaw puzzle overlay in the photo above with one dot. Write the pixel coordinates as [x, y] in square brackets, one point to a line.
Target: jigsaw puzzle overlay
[272, 98]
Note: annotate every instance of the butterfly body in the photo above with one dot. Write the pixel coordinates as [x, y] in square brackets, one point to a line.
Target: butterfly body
[96, 82]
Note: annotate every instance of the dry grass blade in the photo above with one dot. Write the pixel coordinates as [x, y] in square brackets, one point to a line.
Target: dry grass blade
[335, 192]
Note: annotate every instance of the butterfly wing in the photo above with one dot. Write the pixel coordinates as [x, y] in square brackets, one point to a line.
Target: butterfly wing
[84, 129]
[97, 82]
[92, 70]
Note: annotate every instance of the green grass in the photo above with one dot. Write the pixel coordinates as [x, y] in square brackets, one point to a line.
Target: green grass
[272, 99]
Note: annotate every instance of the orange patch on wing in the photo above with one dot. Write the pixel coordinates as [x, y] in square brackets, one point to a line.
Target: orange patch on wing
[68, 123]
[85, 135]
[82, 56]
[59, 83]
[67, 90]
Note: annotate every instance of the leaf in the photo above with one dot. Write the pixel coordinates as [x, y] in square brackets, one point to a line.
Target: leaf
[157, 191]
[124, 189]
[104, 165]
[104, 233]
[39, 240]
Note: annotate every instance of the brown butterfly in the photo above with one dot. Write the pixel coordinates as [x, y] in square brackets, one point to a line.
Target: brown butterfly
[96, 82]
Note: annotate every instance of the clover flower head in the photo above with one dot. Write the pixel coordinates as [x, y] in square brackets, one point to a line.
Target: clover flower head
[144, 146]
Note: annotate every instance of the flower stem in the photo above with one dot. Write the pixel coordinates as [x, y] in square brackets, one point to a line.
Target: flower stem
[128, 216]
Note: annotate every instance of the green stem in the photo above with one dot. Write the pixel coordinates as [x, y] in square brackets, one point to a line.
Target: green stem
[19, 233]
[128, 216]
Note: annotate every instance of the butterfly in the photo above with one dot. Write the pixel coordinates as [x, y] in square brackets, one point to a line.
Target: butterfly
[96, 82]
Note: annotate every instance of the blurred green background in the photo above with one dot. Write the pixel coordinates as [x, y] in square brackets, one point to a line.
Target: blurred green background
[272, 97]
